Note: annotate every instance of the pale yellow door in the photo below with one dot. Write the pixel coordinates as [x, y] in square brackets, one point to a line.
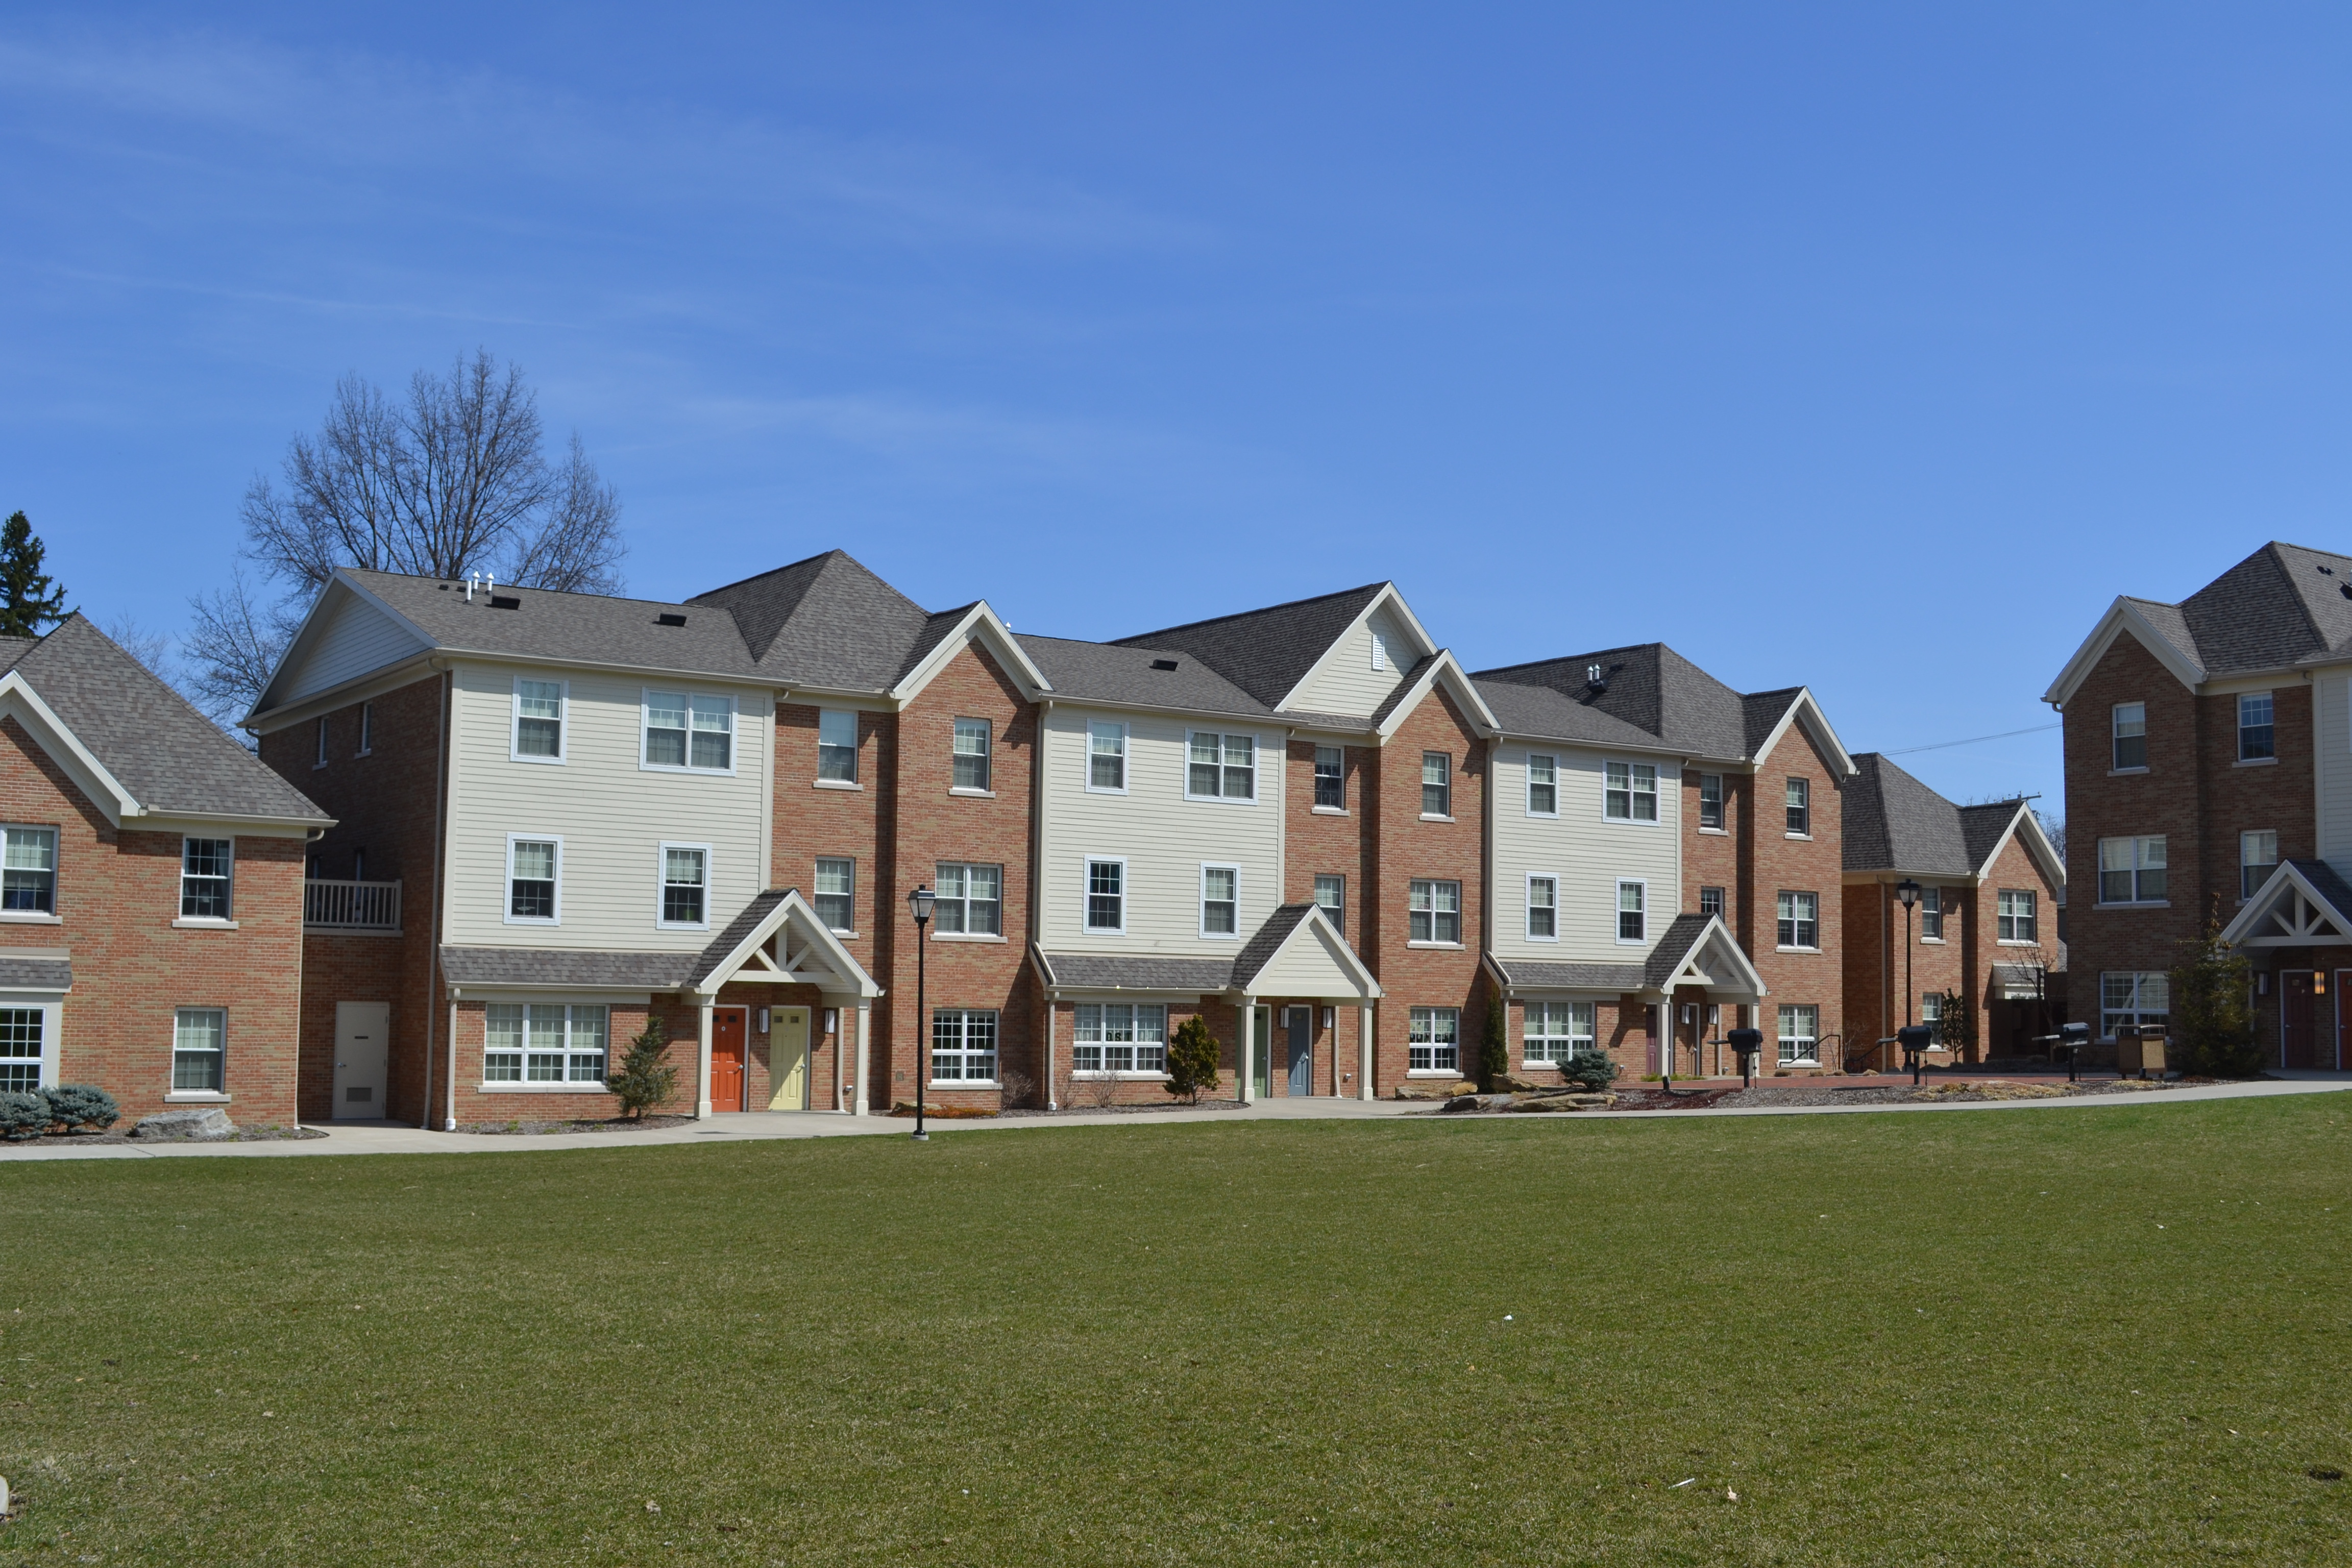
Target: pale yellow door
[788, 1059]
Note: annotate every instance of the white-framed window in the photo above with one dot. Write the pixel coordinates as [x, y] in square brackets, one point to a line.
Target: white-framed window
[1105, 756]
[2257, 858]
[534, 881]
[28, 872]
[1543, 784]
[1710, 801]
[318, 757]
[1543, 908]
[2257, 739]
[971, 901]
[1628, 791]
[206, 869]
[2130, 724]
[1632, 910]
[963, 1044]
[1711, 901]
[1331, 898]
[836, 893]
[1221, 901]
[836, 745]
[1106, 895]
[685, 885]
[972, 755]
[1931, 914]
[200, 1050]
[1331, 777]
[23, 1042]
[1434, 911]
[1800, 794]
[2015, 917]
[689, 731]
[2129, 999]
[367, 729]
[1800, 920]
[539, 714]
[1437, 784]
[1931, 1012]
[1120, 1038]
[543, 1042]
[1432, 1040]
[1220, 767]
[1799, 1034]
[1554, 1031]
[2131, 871]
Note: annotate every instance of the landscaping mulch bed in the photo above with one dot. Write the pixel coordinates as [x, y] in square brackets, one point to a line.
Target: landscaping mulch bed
[122, 1135]
[1121, 1109]
[606, 1124]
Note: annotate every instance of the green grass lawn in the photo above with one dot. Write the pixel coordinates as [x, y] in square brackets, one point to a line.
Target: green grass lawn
[2096, 1336]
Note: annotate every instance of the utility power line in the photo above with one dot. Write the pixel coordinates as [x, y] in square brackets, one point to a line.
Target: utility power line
[1940, 745]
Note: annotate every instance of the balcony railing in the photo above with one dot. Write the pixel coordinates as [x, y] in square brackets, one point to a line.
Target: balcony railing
[349, 906]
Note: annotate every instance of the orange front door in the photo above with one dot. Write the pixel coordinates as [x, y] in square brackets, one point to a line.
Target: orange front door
[728, 1031]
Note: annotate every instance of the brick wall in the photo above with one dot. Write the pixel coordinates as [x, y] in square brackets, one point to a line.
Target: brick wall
[1407, 848]
[1711, 858]
[1813, 865]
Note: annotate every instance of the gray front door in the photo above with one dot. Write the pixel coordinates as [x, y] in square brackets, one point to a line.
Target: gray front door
[360, 1054]
[1302, 1050]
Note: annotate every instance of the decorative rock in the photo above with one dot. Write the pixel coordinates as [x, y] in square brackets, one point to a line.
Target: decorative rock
[1477, 1102]
[1512, 1083]
[1424, 1089]
[201, 1125]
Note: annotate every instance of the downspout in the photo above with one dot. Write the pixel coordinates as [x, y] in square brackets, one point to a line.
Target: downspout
[1037, 871]
[433, 924]
[441, 888]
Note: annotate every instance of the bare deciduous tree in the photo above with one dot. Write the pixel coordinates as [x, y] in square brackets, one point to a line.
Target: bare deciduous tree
[453, 480]
[150, 648]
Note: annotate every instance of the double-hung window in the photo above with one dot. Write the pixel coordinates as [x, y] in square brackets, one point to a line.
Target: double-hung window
[1931, 1012]
[2131, 871]
[2257, 858]
[1800, 923]
[1711, 901]
[1220, 767]
[1710, 800]
[1555, 1032]
[367, 729]
[1801, 807]
[2015, 920]
[1119, 1037]
[686, 884]
[1632, 911]
[1221, 896]
[319, 760]
[1331, 777]
[20, 1048]
[836, 746]
[205, 865]
[1107, 896]
[532, 865]
[836, 894]
[689, 730]
[2257, 739]
[1799, 1034]
[2129, 1000]
[543, 1042]
[537, 720]
[1437, 784]
[971, 901]
[1931, 914]
[199, 1050]
[1106, 755]
[2130, 726]
[963, 1044]
[1543, 908]
[972, 755]
[1331, 898]
[1432, 1040]
[1630, 792]
[28, 872]
[1543, 786]
[1434, 913]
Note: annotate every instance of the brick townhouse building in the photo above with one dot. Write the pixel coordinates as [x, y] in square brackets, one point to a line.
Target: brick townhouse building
[2208, 782]
[151, 886]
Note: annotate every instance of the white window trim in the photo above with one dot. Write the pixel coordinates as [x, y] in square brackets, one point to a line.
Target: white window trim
[52, 1007]
[998, 935]
[178, 891]
[1656, 785]
[50, 916]
[661, 884]
[845, 933]
[1573, 1041]
[551, 999]
[319, 753]
[367, 730]
[1126, 756]
[506, 883]
[1722, 806]
[1447, 814]
[1812, 1060]
[1339, 922]
[1126, 894]
[1778, 945]
[1530, 909]
[173, 1095]
[1528, 785]
[563, 722]
[988, 728]
[1257, 767]
[1314, 780]
[1461, 916]
[1617, 909]
[856, 750]
[645, 713]
[1206, 934]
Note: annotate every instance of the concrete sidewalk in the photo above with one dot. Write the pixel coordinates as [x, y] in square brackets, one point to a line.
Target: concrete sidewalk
[385, 1138]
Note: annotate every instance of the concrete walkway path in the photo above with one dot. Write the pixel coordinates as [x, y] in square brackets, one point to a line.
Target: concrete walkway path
[386, 1138]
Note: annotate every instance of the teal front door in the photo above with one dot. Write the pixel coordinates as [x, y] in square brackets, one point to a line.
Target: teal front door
[1261, 1052]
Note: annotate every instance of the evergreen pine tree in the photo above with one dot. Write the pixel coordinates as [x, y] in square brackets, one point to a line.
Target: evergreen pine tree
[2213, 1021]
[1493, 1047]
[1191, 1061]
[28, 600]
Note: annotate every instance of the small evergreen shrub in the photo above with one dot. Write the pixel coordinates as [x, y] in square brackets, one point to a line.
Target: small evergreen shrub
[82, 1105]
[22, 1116]
[1191, 1060]
[1493, 1047]
[2213, 1010]
[644, 1079]
[1593, 1070]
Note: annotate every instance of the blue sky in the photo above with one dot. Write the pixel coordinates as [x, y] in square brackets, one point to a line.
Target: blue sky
[1869, 351]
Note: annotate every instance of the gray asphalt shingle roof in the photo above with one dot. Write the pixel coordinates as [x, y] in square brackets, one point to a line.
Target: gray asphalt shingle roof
[1265, 652]
[829, 622]
[1119, 673]
[2282, 605]
[44, 973]
[736, 929]
[1524, 973]
[1673, 948]
[1895, 822]
[1259, 951]
[1653, 697]
[601, 971]
[1102, 972]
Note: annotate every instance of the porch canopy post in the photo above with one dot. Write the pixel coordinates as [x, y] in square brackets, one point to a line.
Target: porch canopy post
[1246, 1070]
[1364, 1049]
[860, 1090]
[706, 1003]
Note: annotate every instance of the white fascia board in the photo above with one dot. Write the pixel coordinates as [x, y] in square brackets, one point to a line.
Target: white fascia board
[17, 698]
[298, 645]
[1445, 668]
[2122, 617]
[1317, 925]
[980, 622]
[1805, 710]
[795, 910]
[2037, 844]
[1389, 597]
[358, 689]
[1714, 938]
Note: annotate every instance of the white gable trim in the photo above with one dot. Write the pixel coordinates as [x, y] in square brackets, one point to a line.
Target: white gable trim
[1362, 983]
[1445, 668]
[1803, 710]
[2288, 911]
[2037, 844]
[979, 625]
[306, 636]
[1387, 598]
[2122, 617]
[109, 794]
[807, 953]
[1725, 967]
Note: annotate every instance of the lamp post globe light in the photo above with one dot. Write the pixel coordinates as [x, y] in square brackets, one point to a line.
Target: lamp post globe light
[1906, 893]
[919, 904]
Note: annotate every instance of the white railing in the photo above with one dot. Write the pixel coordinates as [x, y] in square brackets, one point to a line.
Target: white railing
[351, 906]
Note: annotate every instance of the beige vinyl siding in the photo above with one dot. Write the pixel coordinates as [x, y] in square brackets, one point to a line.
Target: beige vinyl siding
[610, 815]
[1163, 837]
[1587, 855]
[2331, 716]
[1307, 967]
[357, 637]
[1349, 684]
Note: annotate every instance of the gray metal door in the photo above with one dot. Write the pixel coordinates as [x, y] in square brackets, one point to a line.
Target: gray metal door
[1302, 1050]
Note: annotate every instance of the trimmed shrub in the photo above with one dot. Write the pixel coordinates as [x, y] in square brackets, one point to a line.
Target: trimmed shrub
[1191, 1060]
[1593, 1070]
[1493, 1047]
[643, 1078]
[23, 1116]
[2213, 1009]
[82, 1105]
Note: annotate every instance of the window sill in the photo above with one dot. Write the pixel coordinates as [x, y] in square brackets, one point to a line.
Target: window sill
[544, 1089]
[955, 936]
[204, 925]
[2138, 904]
[1326, 810]
[316, 766]
[1631, 821]
[196, 1097]
[1223, 799]
[2013, 942]
[1437, 946]
[835, 784]
[1098, 1075]
[1805, 837]
[1716, 832]
[967, 793]
[370, 752]
[30, 918]
[1932, 941]
[1553, 939]
[2255, 763]
[667, 925]
[2124, 773]
[540, 762]
[1796, 950]
[1430, 1072]
[844, 935]
[646, 767]
[987, 1083]
[1435, 816]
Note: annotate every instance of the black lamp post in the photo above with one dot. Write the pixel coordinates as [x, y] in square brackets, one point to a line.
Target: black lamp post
[919, 904]
[1906, 892]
